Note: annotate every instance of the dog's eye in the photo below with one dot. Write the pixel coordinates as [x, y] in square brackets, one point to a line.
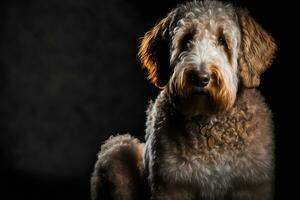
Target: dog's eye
[222, 41]
[186, 39]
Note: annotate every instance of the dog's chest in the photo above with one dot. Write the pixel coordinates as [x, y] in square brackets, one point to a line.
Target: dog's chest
[189, 156]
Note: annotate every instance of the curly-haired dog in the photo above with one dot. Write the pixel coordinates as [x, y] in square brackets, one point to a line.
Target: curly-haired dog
[209, 132]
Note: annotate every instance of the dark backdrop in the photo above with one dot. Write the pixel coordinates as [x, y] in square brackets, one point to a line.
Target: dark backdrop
[70, 78]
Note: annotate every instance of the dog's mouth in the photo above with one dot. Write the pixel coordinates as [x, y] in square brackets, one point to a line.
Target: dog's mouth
[197, 90]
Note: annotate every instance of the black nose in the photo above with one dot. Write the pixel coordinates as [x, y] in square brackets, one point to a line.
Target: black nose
[199, 78]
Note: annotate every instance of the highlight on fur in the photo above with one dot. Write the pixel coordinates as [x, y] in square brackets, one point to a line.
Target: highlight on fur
[153, 53]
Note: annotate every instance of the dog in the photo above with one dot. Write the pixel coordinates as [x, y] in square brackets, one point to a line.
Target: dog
[209, 133]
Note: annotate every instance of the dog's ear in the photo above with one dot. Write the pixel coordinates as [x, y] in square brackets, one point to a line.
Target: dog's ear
[257, 49]
[154, 52]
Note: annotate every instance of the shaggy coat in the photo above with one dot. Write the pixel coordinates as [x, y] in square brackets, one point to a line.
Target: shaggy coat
[181, 165]
[209, 132]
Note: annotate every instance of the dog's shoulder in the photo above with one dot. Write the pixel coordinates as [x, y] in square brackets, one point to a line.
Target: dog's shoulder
[252, 103]
[157, 112]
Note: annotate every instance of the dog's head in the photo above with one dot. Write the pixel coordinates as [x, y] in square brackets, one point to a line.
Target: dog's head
[202, 52]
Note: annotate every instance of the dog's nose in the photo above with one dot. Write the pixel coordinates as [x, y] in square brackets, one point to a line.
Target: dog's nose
[199, 78]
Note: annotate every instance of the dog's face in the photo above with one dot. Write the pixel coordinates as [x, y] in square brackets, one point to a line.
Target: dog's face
[202, 52]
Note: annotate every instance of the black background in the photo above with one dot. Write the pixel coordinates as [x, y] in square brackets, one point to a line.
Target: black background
[70, 78]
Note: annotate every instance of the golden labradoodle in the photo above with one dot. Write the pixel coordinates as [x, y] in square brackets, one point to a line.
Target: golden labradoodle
[209, 131]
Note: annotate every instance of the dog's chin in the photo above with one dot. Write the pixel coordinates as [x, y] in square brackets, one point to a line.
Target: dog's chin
[197, 103]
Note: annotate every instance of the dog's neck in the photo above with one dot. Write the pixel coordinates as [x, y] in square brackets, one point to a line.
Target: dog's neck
[202, 125]
[194, 125]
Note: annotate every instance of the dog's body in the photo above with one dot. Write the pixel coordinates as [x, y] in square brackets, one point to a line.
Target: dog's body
[209, 132]
[239, 165]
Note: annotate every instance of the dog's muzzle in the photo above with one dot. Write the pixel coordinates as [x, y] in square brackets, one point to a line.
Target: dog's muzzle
[198, 80]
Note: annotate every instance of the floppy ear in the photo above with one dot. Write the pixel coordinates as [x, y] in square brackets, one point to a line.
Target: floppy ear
[257, 50]
[154, 52]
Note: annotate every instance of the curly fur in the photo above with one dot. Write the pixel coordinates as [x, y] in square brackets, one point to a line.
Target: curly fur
[240, 163]
[210, 143]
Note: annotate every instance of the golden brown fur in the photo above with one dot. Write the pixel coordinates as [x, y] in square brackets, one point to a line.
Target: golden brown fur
[150, 60]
